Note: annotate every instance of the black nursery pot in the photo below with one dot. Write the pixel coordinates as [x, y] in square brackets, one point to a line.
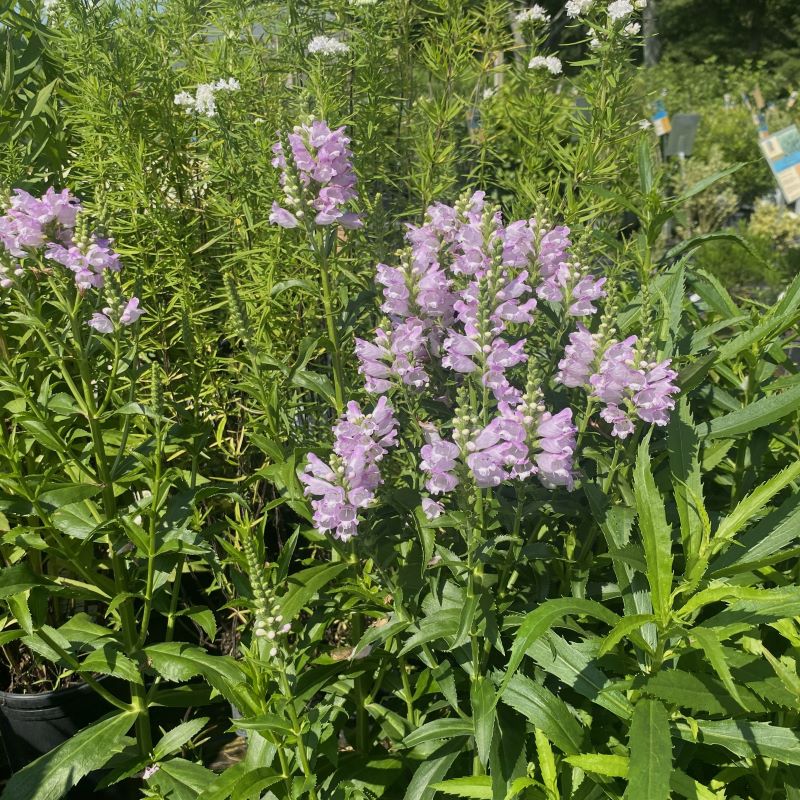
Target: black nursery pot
[33, 724]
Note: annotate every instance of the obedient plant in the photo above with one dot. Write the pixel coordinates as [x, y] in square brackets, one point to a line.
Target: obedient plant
[97, 523]
[462, 318]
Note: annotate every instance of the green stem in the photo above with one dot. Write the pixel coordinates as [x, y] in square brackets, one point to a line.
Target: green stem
[127, 615]
[75, 666]
[151, 540]
[301, 747]
[330, 323]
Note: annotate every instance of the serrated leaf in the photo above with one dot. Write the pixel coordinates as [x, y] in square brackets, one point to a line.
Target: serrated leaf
[650, 746]
[546, 712]
[478, 787]
[538, 622]
[684, 447]
[483, 700]
[656, 533]
[751, 505]
[53, 774]
[695, 691]
[573, 664]
[757, 546]
[711, 646]
[107, 660]
[624, 627]
[758, 414]
[304, 585]
[439, 729]
[432, 770]
[749, 739]
[172, 741]
[610, 766]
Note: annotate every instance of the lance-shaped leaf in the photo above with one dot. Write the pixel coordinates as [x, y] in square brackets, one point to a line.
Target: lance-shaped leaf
[53, 774]
[763, 543]
[759, 414]
[651, 752]
[656, 533]
[546, 712]
[748, 739]
[683, 444]
[540, 620]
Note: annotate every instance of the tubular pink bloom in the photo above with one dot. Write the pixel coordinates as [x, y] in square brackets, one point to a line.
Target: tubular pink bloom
[579, 356]
[439, 460]
[557, 448]
[622, 424]
[101, 322]
[339, 491]
[654, 402]
[584, 294]
[431, 508]
[131, 312]
[617, 374]
[323, 163]
[280, 216]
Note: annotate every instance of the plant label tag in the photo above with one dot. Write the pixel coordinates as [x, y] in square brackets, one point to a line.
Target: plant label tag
[680, 140]
[782, 151]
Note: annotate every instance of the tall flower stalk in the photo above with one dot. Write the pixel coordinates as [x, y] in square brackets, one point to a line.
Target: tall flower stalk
[318, 184]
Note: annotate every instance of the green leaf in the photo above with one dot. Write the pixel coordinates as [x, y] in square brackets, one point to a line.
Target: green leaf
[695, 691]
[204, 618]
[610, 766]
[625, 626]
[75, 520]
[264, 722]
[304, 585]
[688, 246]
[683, 785]
[772, 606]
[656, 533]
[478, 787]
[684, 447]
[180, 662]
[546, 712]
[483, 700]
[432, 770]
[774, 532]
[252, 784]
[704, 184]
[107, 660]
[439, 729]
[539, 621]
[315, 382]
[180, 779]
[749, 739]
[53, 774]
[172, 741]
[19, 578]
[759, 414]
[751, 505]
[573, 664]
[65, 494]
[712, 647]
[650, 752]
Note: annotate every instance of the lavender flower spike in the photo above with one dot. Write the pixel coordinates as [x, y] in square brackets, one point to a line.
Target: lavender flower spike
[317, 177]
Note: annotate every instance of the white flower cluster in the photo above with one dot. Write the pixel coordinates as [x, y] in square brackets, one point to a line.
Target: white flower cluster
[327, 46]
[619, 9]
[575, 8]
[204, 101]
[363, 3]
[551, 63]
[532, 15]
